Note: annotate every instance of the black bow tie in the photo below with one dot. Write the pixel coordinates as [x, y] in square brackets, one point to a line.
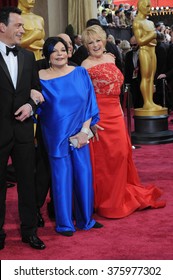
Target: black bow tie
[13, 50]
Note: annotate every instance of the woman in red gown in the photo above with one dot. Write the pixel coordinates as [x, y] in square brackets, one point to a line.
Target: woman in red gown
[118, 191]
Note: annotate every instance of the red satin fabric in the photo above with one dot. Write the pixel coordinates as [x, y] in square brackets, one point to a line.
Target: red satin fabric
[118, 191]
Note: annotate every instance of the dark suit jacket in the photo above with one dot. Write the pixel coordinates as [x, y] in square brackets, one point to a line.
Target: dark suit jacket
[161, 55]
[129, 68]
[134, 83]
[11, 99]
[169, 73]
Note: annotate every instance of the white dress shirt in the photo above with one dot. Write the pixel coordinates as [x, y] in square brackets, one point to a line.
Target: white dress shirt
[11, 62]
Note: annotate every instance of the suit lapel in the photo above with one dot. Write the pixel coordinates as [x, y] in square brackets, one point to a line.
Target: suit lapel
[5, 68]
[20, 58]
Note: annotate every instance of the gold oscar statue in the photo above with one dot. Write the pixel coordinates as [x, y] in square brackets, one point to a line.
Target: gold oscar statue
[146, 36]
[33, 38]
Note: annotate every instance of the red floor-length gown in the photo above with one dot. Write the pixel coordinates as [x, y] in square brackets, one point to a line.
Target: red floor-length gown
[118, 191]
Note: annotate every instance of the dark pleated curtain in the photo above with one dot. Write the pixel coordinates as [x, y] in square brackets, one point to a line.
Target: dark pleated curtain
[4, 3]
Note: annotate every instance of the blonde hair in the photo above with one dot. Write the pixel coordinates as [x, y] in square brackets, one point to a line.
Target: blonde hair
[111, 37]
[93, 31]
[125, 45]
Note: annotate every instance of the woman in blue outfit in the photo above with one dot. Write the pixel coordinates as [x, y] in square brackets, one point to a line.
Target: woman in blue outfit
[68, 111]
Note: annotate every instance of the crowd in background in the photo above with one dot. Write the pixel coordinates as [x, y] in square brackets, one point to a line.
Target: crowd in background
[116, 15]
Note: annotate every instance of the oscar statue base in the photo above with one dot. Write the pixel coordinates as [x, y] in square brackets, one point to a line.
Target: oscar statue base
[141, 112]
[151, 130]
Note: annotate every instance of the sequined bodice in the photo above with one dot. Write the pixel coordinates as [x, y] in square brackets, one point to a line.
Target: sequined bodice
[107, 78]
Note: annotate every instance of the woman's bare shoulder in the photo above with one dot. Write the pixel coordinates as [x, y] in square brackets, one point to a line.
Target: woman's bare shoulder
[86, 63]
[43, 73]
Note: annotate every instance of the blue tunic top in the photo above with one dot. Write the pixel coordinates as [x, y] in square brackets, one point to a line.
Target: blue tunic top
[69, 102]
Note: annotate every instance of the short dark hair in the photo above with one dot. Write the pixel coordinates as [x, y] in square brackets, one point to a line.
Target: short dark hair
[103, 11]
[49, 45]
[117, 12]
[5, 13]
[158, 24]
[92, 21]
[76, 36]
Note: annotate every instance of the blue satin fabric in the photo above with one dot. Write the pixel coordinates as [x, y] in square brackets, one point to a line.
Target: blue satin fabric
[72, 178]
[69, 101]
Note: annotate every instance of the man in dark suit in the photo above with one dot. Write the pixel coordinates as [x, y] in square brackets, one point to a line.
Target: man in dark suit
[168, 74]
[18, 77]
[161, 56]
[132, 74]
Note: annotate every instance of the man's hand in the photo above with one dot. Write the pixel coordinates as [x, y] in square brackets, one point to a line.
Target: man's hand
[111, 54]
[23, 112]
[36, 96]
[161, 76]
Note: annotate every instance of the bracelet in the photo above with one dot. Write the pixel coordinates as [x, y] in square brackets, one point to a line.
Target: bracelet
[85, 130]
[31, 112]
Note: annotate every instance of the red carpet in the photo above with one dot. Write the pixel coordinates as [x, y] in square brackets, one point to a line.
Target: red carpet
[146, 235]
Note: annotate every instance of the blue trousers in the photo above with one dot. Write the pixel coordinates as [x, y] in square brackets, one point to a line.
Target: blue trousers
[72, 187]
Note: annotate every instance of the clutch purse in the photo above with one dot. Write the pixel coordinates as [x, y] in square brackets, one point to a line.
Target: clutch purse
[74, 142]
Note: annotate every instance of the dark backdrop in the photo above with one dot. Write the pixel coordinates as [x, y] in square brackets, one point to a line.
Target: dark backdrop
[8, 3]
[167, 19]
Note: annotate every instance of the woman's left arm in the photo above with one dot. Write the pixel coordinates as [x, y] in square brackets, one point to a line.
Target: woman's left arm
[82, 136]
